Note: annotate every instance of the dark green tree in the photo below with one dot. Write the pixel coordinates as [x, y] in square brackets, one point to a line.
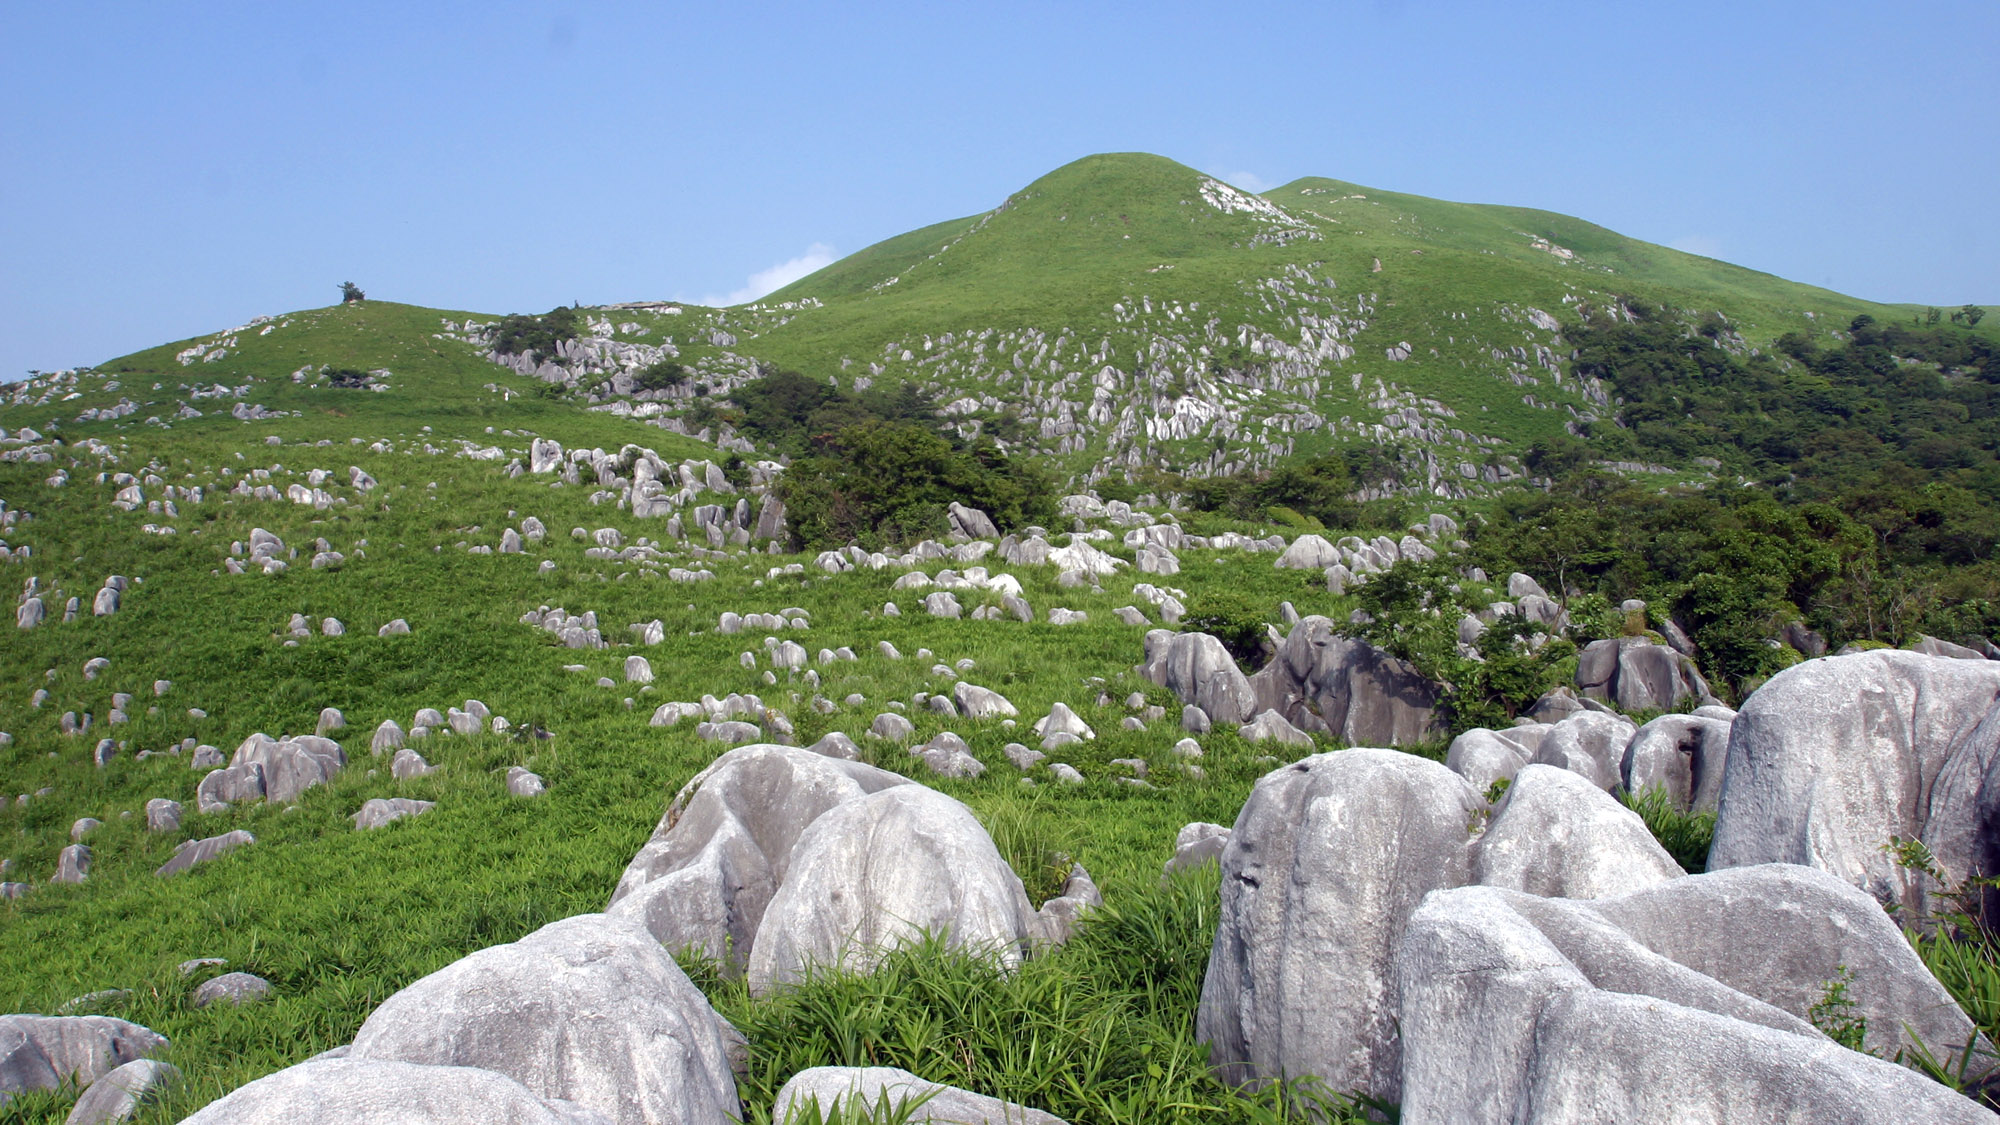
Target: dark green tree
[351, 294]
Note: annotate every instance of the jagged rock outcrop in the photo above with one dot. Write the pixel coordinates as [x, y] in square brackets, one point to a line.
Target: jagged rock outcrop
[1635, 674]
[1195, 667]
[1322, 682]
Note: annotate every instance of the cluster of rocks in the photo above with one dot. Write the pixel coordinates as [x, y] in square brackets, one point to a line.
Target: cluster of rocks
[1546, 953]
[577, 631]
[109, 1059]
[778, 861]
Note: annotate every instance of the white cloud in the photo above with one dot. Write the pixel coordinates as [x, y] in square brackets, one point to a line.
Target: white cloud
[817, 256]
[1707, 246]
[1249, 181]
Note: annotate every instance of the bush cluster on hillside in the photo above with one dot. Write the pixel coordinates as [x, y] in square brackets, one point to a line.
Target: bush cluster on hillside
[521, 334]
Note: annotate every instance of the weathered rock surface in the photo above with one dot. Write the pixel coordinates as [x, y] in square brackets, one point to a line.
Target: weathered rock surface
[1195, 667]
[44, 1052]
[1322, 682]
[590, 1010]
[235, 989]
[1681, 755]
[201, 851]
[1833, 757]
[1326, 862]
[120, 1094]
[1558, 836]
[875, 872]
[878, 1087]
[1589, 743]
[290, 766]
[378, 811]
[351, 1091]
[1526, 1009]
[706, 877]
[1636, 674]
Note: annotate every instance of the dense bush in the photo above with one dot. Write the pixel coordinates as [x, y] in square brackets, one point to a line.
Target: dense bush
[520, 334]
[660, 375]
[880, 483]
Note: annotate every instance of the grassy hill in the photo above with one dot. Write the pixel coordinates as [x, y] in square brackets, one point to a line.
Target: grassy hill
[1122, 313]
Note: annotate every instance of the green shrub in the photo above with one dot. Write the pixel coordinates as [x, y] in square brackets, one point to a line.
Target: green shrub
[538, 336]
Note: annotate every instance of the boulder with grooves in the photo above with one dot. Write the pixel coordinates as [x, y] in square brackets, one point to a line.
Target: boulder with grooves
[1636, 674]
[874, 873]
[1680, 755]
[590, 1010]
[1323, 682]
[1833, 757]
[706, 877]
[1195, 667]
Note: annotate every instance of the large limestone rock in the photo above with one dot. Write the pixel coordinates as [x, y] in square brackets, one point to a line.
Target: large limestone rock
[1195, 667]
[1557, 835]
[1309, 552]
[45, 1052]
[1680, 755]
[290, 766]
[873, 1089]
[1524, 1009]
[877, 871]
[1323, 682]
[706, 876]
[971, 522]
[351, 1091]
[1327, 860]
[1833, 757]
[590, 1010]
[1326, 863]
[1636, 674]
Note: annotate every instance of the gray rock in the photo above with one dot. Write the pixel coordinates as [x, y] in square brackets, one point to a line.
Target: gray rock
[1484, 756]
[1833, 757]
[731, 731]
[1065, 774]
[47, 1052]
[1521, 586]
[1681, 755]
[1196, 844]
[523, 783]
[192, 852]
[976, 702]
[1062, 721]
[1558, 836]
[1269, 726]
[1576, 1010]
[379, 811]
[206, 758]
[971, 522]
[395, 628]
[389, 736]
[1309, 552]
[870, 1092]
[1636, 674]
[163, 815]
[236, 989]
[834, 744]
[106, 602]
[638, 670]
[590, 1010]
[72, 864]
[1194, 720]
[875, 872]
[1024, 759]
[942, 604]
[1589, 743]
[706, 877]
[1931, 646]
[408, 764]
[1197, 669]
[225, 787]
[330, 718]
[351, 1091]
[1327, 860]
[120, 1094]
[891, 726]
[290, 766]
[1357, 693]
[82, 827]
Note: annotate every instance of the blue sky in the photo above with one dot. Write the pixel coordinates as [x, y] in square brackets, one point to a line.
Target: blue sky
[170, 169]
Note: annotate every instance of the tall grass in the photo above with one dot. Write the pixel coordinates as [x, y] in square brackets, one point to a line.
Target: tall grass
[1685, 833]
